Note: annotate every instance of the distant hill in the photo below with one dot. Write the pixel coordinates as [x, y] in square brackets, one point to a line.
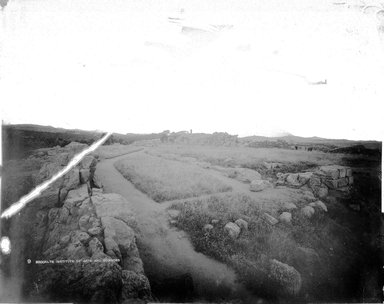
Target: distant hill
[292, 139]
[20, 140]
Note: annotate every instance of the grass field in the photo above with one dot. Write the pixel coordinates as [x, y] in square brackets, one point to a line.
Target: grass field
[251, 157]
[165, 180]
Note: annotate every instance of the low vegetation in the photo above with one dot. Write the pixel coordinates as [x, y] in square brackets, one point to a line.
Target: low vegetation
[165, 180]
[316, 247]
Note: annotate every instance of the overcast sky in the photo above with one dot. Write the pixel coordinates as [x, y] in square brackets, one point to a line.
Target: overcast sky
[122, 66]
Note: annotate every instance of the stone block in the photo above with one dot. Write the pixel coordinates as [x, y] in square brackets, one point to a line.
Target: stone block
[331, 183]
[342, 182]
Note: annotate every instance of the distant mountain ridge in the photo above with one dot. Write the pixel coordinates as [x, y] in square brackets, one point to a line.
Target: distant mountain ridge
[130, 137]
[293, 139]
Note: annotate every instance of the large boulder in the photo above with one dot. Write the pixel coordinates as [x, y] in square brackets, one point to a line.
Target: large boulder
[287, 277]
[259, 185]
[232, 230]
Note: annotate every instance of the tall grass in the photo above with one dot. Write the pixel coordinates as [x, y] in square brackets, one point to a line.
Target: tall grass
[165, 180]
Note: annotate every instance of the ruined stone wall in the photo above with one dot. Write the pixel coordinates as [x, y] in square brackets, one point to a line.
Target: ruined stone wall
[321, 180]
[76, 247]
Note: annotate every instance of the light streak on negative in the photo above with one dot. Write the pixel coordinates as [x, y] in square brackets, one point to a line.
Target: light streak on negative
[20, 204]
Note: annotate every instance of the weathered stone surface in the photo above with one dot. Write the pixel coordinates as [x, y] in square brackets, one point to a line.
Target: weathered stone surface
[270, 219]
[84, 175]
[242, 224]
[321, 192]
[331, 183]
[95, 246]
[135, 286]
[348, 172]
[288, 206]
[88, 162]
[304, 177]
[119, 240]
[293, 179]
[286, 276]
[259, 185]
[319, 205]
[113, 205]
[83, 222]
[96, 180]
[285, 217]
[350, 180]
[331, 171]
[308, 211]
[95, 231]
[232, 230]
[55, 234]
[343, 182]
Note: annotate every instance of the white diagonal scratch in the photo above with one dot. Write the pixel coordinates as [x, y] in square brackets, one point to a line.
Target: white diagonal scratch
[17, 206]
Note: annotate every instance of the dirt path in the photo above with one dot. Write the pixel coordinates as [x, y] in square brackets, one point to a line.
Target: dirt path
[167, 252]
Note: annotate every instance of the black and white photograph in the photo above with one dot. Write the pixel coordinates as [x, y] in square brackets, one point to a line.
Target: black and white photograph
[191, 151]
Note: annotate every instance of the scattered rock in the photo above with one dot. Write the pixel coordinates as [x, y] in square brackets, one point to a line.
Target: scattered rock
[173, 213]
[287, 206]
[207, 228]
[259, 185]
[215, 222]
[242, 224]
[308, 211]
[319, 205]
[285, 217]
[271, 166]
[286, 276]
[232, 229]
[270, 219]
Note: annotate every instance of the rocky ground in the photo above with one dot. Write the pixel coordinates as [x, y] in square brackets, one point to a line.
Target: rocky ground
[70, 244]
[309, 232]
